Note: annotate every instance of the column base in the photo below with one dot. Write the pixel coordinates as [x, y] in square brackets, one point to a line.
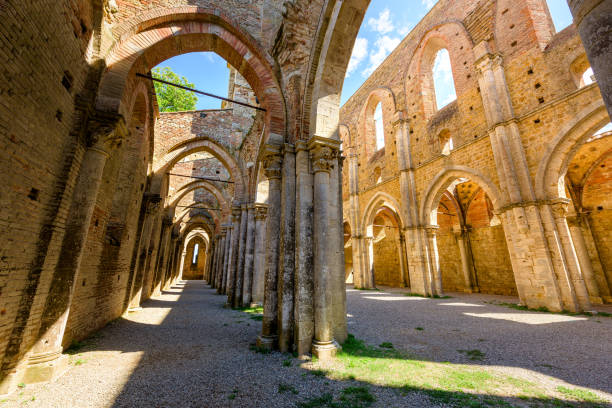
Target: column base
[596, 300]
[607, 299]
[255, 304]
[324, 350]
[266, 342]
[45, 367]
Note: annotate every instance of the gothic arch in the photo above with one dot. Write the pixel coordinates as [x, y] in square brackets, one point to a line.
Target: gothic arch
[366, 133]
[175, 31]
[195, 185]
[381, 199]
[429, 203]
[549, 181]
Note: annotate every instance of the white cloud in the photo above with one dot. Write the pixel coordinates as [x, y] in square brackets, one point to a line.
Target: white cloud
[383, 23]
[384, 46]
[360, 51]
[429, 3]
[404, 30]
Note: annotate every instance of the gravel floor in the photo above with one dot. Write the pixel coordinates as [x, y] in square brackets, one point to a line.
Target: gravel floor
[185, 350]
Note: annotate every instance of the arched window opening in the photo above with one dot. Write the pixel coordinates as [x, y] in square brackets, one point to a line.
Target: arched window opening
[446, 142]
[560, 13]
[196, 252]
[588, 77]
[377, 175]
[379, 126]
[444, 86]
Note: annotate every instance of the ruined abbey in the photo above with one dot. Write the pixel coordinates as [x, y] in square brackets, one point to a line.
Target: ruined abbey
[284, 199]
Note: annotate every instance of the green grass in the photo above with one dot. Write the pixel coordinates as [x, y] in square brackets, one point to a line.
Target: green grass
[580, 395]
[287, 363]
[261, 350]
[386, 344]
[544, 309]
[419, 328]
[255, 313]
[374, 289]
[282, 388]
[474, 355]
[444, 383]
[79, 362]
[350, 397]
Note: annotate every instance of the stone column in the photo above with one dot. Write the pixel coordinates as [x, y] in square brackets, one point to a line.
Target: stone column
[592, 18]
[249, 258]
[304, 285]
[219, 267]
[466, 264]
[239, 257]
[273, 169]
[226, 256]
[286, 261]
[259, 261]
[164, 249]
[401, 253]
[151, 207]
[45, 361]
[586, 266]
[323, 152]
[434, 259]
[369, 279]
[336, 252]
[233, 257]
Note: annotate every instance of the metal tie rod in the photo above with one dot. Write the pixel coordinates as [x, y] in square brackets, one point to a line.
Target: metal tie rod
[198, 208]
[200, 92]
[201, 178]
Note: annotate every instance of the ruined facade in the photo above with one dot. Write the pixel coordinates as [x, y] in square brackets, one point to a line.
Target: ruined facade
[495, 191]
[116, 194]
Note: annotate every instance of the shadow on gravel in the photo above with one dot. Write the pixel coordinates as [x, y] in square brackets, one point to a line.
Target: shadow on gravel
[198, 356]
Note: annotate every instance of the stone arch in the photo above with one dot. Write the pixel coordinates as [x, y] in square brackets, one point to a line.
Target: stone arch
[381, 199]
[169, 32]
[549, 182]
[367, 133]
[195, 185]
[184, 149]
[217, 218]
[433, 193]
[332, 48]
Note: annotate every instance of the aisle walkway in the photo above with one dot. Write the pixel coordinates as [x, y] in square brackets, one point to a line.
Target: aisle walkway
[185, 350]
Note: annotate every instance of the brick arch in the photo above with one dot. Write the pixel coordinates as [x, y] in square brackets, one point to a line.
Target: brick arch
[366, 128]
[196, 222]
[433, 193]
[216, 218]
[170, 32]
[549, 182]
[184, 149]
[379, 200]
[196, 185]
[451, 36]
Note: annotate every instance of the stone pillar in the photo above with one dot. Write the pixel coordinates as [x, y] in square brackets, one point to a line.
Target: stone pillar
[249, 258]
[593, 20]
[338, 277]
[369, 279]
[586, 266]
[45, 361]
[219, 268]
[286, 261]
[304, 285]
[241, 242]
[259, 260]
[226, 258]
[164, 253]
[434, 259]
[151, 204]
[273, 169]
[233, 257]
[323, 153]
[466, 263]
[401, 253]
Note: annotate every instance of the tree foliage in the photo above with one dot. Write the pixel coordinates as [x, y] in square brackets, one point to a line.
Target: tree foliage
[171, 98]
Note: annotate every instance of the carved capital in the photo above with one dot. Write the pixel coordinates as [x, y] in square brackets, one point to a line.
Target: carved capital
[432, 230]
[272, 162]
[560, 207]
[488, 62]
[151, 202]
[236, 212]
[261, 211]
[323, 152]
[106, 133]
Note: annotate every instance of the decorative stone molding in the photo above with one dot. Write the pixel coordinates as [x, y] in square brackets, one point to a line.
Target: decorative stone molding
[323, 152]
[560, 207]
[236, 212]
[488, 62]
[272, 162]
[106, 133]
[152, 202]
[432, 230]
[261, 211]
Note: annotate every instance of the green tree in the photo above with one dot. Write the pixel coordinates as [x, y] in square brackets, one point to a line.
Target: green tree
[171, 98]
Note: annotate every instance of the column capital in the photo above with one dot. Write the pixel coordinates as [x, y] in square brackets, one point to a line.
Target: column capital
[560, 207]
[432, 229]
[261, 211]
[323, 151]
[236, 212]
[400, 118]
[151, 202]
[488, 62]
[105, 132]
[272, 159]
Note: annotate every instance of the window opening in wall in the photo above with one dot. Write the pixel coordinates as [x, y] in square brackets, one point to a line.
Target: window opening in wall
[560, 13]
[380, 128]
[196, 252]
[587, 78]
[444, 85]
[446, 142]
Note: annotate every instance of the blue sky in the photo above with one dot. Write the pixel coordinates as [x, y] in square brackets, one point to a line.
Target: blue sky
[385, 24]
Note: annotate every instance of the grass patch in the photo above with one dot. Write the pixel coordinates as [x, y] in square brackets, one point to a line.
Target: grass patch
[79, 362]
[544, 309]
[580, 395]
[287, 363]
[261, 350]
[351, 397]
[474, 355]
[318, 373]
[282, 388]
[448, 384]
[386, 344]
[419, 328]
[374, 289]
[255, 313]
